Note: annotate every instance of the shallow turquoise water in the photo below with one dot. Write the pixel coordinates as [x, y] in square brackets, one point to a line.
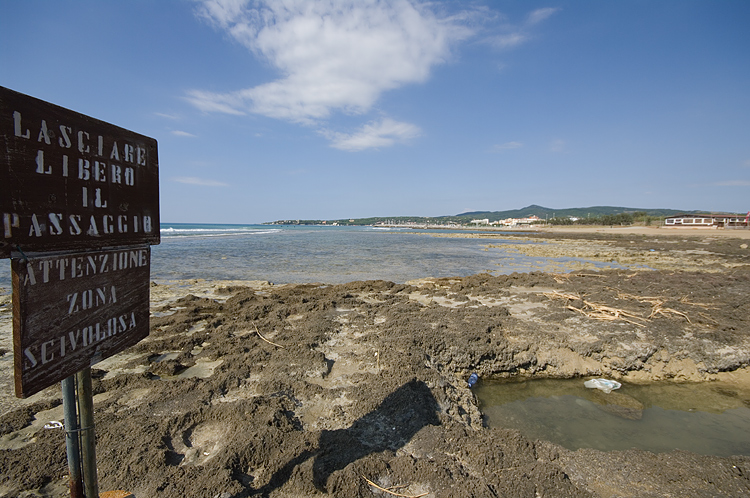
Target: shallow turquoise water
[707, 418]
[329, 254]
[325, 254]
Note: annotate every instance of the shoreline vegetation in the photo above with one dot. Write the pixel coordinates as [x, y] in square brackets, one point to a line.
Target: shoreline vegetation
[532, 216]
[253, 389]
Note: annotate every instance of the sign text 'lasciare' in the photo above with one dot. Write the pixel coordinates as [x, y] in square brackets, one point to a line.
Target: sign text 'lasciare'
[70, 181]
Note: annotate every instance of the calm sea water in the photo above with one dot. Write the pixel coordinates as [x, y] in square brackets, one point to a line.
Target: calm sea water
[300, 254]
[709, 418]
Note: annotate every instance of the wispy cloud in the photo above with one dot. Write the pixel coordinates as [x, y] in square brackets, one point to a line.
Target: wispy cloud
[513, 35]
[180, 133]
[191, 180]
[507, 146]
[167, 116]
[746, 163]
[383, 133]
[217, 102]
[338, 55]
[733, 183]
[508, 40]
[557, 145]
[540, 15]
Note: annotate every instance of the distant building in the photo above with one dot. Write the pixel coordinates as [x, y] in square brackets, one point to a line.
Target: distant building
[707, 220]
[513, 222]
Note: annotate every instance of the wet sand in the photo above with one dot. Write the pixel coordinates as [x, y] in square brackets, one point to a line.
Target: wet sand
[252, 389]
[730, 233]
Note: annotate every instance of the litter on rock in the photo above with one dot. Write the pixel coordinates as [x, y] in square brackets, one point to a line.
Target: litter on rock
[473, 378]
[605, 385]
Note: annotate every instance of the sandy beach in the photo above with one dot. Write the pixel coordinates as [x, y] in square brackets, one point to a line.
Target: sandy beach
[653, 231]
[253, 389]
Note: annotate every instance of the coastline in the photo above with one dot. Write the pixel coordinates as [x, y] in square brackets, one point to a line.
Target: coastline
[655, 231]
[249, 388]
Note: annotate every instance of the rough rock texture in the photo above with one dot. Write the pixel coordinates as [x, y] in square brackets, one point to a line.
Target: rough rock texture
[309, 390]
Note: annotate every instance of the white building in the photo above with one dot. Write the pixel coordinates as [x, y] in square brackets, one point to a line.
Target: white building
[707, 220]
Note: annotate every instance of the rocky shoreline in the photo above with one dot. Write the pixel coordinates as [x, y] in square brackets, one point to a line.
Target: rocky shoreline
[252, 389]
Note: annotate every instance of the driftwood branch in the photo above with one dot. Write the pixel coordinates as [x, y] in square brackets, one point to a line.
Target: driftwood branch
[261, 336]
[598, 311]
[391, 492]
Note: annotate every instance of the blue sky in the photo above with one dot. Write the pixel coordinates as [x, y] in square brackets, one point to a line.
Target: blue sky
[325, 110]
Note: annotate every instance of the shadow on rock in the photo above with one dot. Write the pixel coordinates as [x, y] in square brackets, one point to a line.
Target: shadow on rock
[390, 426]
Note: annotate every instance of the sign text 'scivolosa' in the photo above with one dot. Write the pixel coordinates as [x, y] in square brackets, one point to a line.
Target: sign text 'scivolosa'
[75, 309]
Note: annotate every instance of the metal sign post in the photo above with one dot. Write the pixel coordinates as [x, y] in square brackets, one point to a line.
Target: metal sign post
[88, 434]
[79, 207]
[71, 436]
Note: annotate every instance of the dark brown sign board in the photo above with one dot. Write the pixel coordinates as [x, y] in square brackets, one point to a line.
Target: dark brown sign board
[70, 182]
[72, 310]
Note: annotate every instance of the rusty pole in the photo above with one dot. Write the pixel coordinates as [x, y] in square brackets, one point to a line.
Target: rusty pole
[88, 435]
[71, 436]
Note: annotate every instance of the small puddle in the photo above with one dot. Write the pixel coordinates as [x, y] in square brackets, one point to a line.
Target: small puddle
[708, 418]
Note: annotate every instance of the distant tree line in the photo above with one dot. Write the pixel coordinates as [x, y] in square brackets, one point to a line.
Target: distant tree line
[589, 218]
[607, 219]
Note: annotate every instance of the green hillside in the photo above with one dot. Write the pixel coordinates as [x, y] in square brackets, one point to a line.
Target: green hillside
[595, 215]
[586, 212]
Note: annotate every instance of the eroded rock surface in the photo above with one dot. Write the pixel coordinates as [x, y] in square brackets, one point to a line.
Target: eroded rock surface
[303, 390]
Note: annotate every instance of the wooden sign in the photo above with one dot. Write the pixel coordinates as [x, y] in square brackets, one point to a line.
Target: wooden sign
[69, 181]
[72, 310]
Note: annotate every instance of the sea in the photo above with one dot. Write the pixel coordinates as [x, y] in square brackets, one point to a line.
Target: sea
[326, 254]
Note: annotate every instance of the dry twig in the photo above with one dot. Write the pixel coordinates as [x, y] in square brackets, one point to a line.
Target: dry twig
[658, 310]
[596, 311]
[261, 336]
[565, 277]
[607, 313]
[684, 300]
[602, 312]
[560, 295]
[391, 492]
[708, 318]
[657, 305]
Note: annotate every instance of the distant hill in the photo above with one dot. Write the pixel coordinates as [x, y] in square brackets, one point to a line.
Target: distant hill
[465, 218]
[543, 212]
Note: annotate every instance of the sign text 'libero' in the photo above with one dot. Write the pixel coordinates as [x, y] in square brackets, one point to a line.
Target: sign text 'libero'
[72, 310]
[69, 181]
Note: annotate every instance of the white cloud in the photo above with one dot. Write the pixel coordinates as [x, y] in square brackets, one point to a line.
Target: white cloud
[383, 133]
[191, 180]
[338, 55]
[540, 15]
[180, 133]
[514, 35]
[508, 145]
[733, 183]
[747, 163]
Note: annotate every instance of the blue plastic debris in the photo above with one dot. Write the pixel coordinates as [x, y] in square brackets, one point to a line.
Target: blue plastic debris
[473, 378]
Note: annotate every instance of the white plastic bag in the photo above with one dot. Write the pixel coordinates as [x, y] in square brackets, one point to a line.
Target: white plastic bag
[603, 384]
